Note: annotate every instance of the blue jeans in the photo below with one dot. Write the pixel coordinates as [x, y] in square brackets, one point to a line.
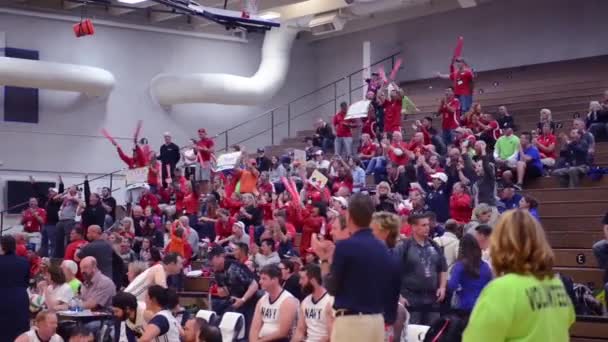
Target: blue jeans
[600, 250]
[447, 135]
[343, 146]
[466, 101]
[47, 243]
[327, 144]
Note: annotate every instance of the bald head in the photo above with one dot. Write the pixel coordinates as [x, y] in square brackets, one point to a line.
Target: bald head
[185, 221]
[88, 267]
[94, 232]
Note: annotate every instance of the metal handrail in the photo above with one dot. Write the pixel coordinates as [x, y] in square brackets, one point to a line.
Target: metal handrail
[288, 105]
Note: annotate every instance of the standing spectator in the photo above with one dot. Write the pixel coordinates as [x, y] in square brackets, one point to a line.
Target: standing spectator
[343, 144]
[361, 275]
[99, 249]
[529, 166]
[469, 275]
[449, 243]
[262, 161]
[597, 120]
[516, 304]
[505, 119]
[482, 214]
[460, 204]
[204, 147]
[276, 312]
[449, 110]
[248, 177]
[169, 157]
[392, 110]
[93, 212]
[462, 76]
[109, 204]
[14, 315]
[76, 243]
[33, 217]
[546, 118]
[574, 159]
[437, 196]
[171, 264]
[290, 279]
[547, 145]
[423, 272]
[324, 136]
[357, 174]
[600, 249]
[97, 290]
[484, 189]
[67, 214]
[191, 235]
[506, 149]
[51, 201]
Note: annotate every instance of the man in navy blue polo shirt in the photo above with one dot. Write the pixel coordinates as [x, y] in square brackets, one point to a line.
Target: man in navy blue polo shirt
[362, 276]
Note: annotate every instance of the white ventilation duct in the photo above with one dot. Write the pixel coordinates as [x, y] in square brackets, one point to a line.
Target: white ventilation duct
[27, 73]
[362, 8]
[171, 89]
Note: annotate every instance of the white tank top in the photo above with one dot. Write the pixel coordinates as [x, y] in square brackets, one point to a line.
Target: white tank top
[137, 327]
[172, 334]
[139, 286]
[315, 316]
[270, 312]
[31, 334]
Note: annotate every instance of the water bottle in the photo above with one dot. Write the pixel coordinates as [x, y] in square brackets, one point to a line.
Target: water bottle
[72, 304]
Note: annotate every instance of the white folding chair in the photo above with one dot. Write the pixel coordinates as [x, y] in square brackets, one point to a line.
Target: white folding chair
[232, 326]
[207, 315]
[416, 332]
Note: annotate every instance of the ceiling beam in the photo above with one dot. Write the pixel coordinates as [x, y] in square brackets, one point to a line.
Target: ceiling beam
[68, 5]
[157, 17]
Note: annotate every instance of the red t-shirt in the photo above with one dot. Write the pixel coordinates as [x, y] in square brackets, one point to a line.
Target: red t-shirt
[547, 140]
[427, 136]
[191, 203]
[450, 114]
[29, 221]
[154, 174]
[368, 148]
[403, 158]
[72, 248]
[463, 82]
[224, 229]
[346, 181]
[150, 200]
[416, 147]
[341, 125]
[208, 143]
[392, 115]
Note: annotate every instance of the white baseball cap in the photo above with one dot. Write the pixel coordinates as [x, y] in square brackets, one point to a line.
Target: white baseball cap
[441, 176]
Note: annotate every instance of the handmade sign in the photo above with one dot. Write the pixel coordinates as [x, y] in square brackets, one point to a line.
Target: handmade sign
[137, 176]
[358, 109]
[299, 156]
[318, 180]
[227, 161]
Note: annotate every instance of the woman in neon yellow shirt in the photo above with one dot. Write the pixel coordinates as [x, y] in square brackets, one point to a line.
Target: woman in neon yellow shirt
[528, 301]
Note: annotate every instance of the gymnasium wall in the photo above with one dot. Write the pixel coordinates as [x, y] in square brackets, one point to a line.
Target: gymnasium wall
[498, 34]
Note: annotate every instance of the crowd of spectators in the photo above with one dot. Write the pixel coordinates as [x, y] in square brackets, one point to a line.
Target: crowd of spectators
[401, 230]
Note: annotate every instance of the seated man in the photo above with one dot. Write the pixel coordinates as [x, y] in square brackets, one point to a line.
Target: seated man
[600, 250]
[529, 165]
[276, 312]
[316, 312]
[44, 329]
[574, 159]
[546, 144]
[130, 316]
[506, 149]
[97, 290]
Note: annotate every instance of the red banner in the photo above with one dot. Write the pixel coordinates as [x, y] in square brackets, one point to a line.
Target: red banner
[458, 49]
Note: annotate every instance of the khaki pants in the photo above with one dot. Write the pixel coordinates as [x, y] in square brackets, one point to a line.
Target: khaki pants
[358, 328]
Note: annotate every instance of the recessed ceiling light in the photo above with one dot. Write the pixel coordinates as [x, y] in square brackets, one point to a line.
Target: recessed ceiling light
[131, 2]
[270, 15]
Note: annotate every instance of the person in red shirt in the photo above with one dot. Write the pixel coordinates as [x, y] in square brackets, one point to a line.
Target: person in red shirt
[21, 245]
[368, 149]
[223, 224]
[462, 77]
[313, 220]
[149, 199]
[449, 110]
[490, 129]
[344, 179]
[546, 143]
[460, 204]
[343, 144]
[470, 118]
[204, 148]
[76, 243]
[154, 173]
[398, 151]
[392, 110]
[139, 158]
[33, 218]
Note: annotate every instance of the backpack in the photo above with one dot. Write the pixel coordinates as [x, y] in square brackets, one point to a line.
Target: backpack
[585, 303]
[445, 329]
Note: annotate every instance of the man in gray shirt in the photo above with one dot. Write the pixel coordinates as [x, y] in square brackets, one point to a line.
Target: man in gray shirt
[191, 235]
[97, 290]
[100, 249]
[67, 214]
[423, 272]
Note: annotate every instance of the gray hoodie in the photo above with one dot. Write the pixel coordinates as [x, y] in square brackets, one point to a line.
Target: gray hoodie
[262, 260]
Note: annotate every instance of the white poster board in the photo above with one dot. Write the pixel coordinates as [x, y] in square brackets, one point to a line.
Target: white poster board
[358, 109]
[227, 161]
[137, 176]
[317, 179]
[299, 156]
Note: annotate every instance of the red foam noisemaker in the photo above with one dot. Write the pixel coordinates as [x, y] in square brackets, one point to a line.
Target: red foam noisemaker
[84, 28]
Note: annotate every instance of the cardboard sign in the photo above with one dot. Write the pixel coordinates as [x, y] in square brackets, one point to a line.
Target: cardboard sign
[227, 161]
[137, 176]
[358, 109]
[318, 180]
[299, 156]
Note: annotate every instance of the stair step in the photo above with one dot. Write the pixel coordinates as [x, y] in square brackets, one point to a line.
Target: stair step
[571, 223]
[579, 206]
[589, 331]
[581, 239]
[592, 277]
[560, 194]
[575, 258]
